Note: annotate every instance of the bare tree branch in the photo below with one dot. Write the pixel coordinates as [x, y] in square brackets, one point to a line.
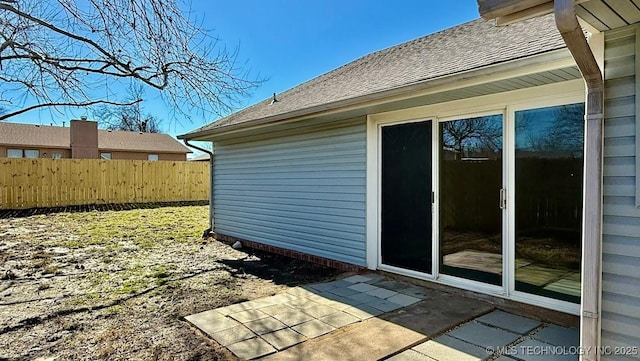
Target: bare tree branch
[60, 52]
[85, 104]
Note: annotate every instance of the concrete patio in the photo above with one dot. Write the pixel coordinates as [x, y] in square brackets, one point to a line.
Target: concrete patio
[369, 317]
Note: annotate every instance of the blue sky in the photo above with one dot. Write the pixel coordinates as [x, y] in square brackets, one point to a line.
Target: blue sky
[288, 42]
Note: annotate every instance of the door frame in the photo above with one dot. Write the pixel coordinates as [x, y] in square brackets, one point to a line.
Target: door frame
[379, 264]
[547, 95]
[455, 280]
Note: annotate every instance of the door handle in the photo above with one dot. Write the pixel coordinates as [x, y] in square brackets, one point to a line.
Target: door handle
[503, 198]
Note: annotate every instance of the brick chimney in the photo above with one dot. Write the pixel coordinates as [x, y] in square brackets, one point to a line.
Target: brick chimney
[84, 139]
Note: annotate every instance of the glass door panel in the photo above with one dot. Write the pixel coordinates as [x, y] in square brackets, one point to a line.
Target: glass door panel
[470, 181]
[549, 161]
[406, 196]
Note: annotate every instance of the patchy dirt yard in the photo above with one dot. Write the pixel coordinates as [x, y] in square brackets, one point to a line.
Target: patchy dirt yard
[115, 285]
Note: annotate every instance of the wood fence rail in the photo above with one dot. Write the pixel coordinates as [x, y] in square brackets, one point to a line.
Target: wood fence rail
[35, 183]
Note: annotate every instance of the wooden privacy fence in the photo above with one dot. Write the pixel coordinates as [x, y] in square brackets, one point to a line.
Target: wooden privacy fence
[34, 183]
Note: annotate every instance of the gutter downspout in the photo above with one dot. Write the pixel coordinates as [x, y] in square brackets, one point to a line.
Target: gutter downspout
[211, 163]
[574, 38]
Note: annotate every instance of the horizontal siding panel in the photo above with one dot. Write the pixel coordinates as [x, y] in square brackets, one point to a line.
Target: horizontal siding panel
[299, 229]
[620, 107]
[619, 48]
[298, 141]
[278, 152]
[620, 167]
[612, 339]
[328, 204]
[296, 168]
[620, 127]
[619, 186]
[619, 68]
[621, 226]
[621, 265]
[301, 222]
[623, 324]
[343, 212]
[304, 192]
[355, 219]
[620, 88]
[621, 245]
[621, 285]
[621, 304]
[293, 195]
[620, 206]
[338, 249]
[619, 147]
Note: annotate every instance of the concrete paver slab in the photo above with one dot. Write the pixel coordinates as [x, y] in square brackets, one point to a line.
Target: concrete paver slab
[300, 292]
[318, 311]
[373, 278]
[482, 335]
[363, 287]
[265, 325]
[252, 348]
[384, 305]
[508, 321]
[361, 298]
[343, 291]
[534, 350]
[339, 319]
[559, 336]
[381, 293]
[373, 339]
[445, 348]
[337, 305]
[358, 278]
[504, 358]
[403, 300]
[363, 312]
[232, 335]
[250, 315]
[302, 303]
[284, 338]
[293, 317]
[211, 322]
[237, 307]
[410, 355]
[276, 309]
[313, 328]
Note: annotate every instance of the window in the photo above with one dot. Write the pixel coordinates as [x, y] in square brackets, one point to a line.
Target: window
[31, 153]
[105, 155]
[56, 155]
[152, 157]
[14, 153]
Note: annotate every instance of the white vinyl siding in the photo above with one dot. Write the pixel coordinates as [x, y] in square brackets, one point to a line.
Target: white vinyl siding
[621, 217]
[302, 191]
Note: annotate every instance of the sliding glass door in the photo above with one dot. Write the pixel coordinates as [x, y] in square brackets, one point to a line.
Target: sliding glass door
[406, 224]
[548, 201]
[470, 187]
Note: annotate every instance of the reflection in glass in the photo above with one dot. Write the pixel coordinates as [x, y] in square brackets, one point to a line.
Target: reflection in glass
[470, 183]
[406, 196]
[548, 199]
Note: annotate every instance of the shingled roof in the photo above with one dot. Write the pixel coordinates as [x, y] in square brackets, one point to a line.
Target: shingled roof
[469, 46]
[45, 136]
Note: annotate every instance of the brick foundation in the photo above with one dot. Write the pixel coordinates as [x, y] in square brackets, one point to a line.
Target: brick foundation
[342, 266]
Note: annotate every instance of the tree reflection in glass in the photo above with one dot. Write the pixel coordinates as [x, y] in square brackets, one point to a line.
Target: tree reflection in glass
[548, 200]
[470, 182]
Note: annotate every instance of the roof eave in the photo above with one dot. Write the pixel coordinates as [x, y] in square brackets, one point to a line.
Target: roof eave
[406, 90]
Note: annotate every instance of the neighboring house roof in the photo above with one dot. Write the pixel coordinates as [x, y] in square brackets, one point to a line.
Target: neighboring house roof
[138, 141]
[44, 136]
[30, 135]
[469, 46]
